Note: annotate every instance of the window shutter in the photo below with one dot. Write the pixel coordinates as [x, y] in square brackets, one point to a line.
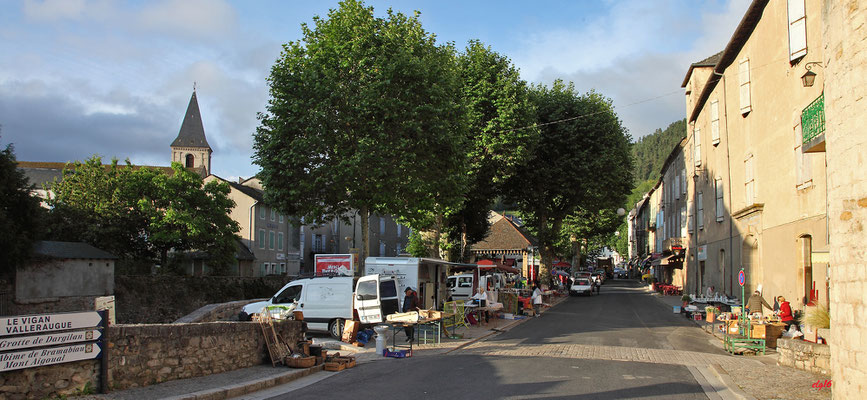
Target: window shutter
[719, 199]
[744, 78]
[797, 30]
[714, 122]
[697, 146]
[700, 212]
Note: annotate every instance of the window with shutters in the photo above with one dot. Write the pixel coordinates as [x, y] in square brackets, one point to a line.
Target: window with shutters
[714, 122]
[261, 212]
[261, 238]
[676, 187]
[744, 79]
[699, 214]
[720, 207]
[273, 214]
[271, 240]
[691, 223]
[797, 30]
[803, 173]
[749, 181]
[683, 184]
[382, 226]
[696, 146]
[280, 241]
[381, 248]
[683, 221]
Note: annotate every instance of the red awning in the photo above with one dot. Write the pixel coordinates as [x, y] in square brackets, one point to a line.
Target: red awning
[503, 268]
[562, 264]
[486, 262]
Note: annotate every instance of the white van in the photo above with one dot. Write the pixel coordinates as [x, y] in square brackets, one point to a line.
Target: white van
[461, 287]
[325, 301]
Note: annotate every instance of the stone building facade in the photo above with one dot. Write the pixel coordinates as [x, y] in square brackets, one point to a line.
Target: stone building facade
[759, 195]
[845, 70]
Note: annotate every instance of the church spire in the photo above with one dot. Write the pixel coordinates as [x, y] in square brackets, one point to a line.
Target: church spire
[192, 133]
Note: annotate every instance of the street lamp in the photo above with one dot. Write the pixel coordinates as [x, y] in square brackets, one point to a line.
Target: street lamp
[809, 77]
[621, 211]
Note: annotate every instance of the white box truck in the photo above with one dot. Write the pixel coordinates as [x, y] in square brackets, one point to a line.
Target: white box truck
[426, 276]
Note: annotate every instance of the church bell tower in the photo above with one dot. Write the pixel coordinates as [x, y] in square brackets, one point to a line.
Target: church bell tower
[191, 148]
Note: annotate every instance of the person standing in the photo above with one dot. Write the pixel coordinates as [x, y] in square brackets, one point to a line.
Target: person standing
[410, 303]
[786, 316]
[755, 303]
[537, 300]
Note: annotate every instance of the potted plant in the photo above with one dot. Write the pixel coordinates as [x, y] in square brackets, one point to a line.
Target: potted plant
[686, 300]
[711, 314]
[818, 318]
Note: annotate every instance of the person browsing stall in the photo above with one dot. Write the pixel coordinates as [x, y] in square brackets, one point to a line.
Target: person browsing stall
[537, 300]
[410, 303]
[755, 303]
[786, 316]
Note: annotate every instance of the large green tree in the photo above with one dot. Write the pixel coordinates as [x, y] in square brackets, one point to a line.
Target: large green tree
[582, 162]
[500, 136]
[19, 214]
[363, 115]
[143, 213]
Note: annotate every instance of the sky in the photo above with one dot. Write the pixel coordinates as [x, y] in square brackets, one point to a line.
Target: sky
[113, 78]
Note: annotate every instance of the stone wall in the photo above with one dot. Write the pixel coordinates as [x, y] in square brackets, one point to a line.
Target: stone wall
[845, 66]
[804, 355]
[159, 299]
[141, 355]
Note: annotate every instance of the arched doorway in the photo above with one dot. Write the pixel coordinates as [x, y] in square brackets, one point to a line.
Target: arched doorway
[189, 161]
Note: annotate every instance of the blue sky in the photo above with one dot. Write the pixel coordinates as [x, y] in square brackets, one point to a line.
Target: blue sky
[84, 77]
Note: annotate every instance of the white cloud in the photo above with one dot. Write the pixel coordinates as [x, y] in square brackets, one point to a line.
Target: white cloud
[54, 10]
[199, 19]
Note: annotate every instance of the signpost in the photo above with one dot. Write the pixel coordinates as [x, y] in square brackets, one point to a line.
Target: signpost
[28, 341]
[741, 280]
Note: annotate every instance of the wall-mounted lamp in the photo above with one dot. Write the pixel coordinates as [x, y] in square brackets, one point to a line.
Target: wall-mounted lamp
[809, 77]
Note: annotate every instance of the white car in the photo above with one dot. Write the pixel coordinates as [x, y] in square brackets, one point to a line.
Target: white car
[581, 286]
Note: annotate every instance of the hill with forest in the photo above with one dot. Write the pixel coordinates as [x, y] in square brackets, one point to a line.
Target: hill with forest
[650, 152]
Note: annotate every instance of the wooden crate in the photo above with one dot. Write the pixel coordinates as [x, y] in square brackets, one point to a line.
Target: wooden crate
[334, 366]
[300, 362]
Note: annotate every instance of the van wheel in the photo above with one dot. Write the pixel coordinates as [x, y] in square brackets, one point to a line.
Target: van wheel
[335, 328]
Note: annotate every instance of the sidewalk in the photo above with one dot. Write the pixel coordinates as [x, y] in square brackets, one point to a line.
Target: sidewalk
[249, 380]
[763, 380]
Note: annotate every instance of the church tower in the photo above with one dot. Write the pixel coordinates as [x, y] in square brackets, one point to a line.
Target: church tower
[190, 148]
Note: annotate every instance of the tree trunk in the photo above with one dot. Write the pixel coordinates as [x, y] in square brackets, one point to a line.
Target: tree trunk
[547, 253]
[437, 234]
[464, 258]
[365, 239]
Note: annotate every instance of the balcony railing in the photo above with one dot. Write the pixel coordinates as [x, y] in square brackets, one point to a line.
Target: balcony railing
[813, 119]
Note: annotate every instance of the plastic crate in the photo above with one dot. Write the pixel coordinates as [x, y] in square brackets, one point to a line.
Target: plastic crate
[397, 353]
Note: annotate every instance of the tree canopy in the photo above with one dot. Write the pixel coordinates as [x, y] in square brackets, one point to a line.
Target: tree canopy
[143, 213]
[498, 111]
[363, 116]
[582, 162]
[19, 214]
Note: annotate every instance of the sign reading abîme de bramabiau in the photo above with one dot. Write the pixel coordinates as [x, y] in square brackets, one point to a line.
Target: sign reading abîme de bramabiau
[29, 331]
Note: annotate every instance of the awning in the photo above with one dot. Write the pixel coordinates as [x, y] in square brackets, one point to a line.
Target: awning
[562, 264]
[503, 268]
[672, 261]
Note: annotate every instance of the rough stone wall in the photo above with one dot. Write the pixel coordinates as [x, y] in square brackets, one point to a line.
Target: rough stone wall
[805, 356]
[80, 377]
[157, 299]
[844, 33]
[141, 355]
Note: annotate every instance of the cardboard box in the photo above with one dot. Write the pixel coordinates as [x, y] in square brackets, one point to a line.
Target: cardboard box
[350, 331]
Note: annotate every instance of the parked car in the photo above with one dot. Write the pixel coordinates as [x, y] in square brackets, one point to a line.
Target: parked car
[581, 286]
[619, 273]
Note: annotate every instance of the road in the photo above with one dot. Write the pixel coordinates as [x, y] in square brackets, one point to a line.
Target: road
[619, 344]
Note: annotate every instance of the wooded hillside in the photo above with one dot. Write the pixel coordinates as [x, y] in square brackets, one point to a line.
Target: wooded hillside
[651, 151]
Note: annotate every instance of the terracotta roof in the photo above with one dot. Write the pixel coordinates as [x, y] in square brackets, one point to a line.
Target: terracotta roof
[192, 133]
[506, 235]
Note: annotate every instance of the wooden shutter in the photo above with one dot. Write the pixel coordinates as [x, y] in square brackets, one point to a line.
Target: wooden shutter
[797, 30]
[714, 122]
[719, 199]
[696, 144]
[744, 78]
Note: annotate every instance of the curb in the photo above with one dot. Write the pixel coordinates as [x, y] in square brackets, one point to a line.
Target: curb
[249, 387]
[727, 380]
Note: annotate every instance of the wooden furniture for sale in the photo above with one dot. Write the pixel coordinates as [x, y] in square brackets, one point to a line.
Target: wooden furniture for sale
[744, 339]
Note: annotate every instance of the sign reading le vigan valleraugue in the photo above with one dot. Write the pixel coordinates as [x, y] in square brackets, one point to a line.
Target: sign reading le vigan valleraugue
[32, 324]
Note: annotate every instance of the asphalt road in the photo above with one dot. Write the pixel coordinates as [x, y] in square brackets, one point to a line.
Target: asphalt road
[542, 362]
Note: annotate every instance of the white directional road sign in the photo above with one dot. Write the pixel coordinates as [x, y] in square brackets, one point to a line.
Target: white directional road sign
[52, 339]
[47, 356]
[32, 324]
